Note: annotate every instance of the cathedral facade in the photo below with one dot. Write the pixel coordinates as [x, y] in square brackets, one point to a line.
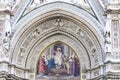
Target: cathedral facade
[59, 39]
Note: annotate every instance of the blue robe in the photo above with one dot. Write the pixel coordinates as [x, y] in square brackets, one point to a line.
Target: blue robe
[51, 63]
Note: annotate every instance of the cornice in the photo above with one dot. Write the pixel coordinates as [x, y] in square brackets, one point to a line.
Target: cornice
[111, 11]
[6, 11]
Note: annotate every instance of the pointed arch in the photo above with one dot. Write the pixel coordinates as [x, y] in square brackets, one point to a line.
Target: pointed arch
[53, 10]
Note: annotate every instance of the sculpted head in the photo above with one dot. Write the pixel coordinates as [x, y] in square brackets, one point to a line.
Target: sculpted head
[58, 49]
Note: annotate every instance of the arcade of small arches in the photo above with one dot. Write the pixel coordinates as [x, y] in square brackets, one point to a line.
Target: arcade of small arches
[42, 35]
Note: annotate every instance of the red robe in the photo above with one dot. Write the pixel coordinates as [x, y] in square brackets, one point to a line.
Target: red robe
[42, 65]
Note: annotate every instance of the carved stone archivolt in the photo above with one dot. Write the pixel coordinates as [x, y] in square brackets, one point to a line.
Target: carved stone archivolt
[35, 33]
[36, 38]
[59, 22]
[46, 28]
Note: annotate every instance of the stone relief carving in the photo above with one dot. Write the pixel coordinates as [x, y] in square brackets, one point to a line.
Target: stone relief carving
[96, 60]
[32, 36]
[93, 52]
[22, 51]
[59, 22]
[37, 2]
[35, 33]
[77, 2]
[27, 41]
[15, 4]
[90, 43]
[80, 32]
[21, 54]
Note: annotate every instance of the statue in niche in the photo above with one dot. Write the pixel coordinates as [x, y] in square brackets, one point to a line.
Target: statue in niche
[62, 63]
[108, 42]
[107, 37]
[6, 42]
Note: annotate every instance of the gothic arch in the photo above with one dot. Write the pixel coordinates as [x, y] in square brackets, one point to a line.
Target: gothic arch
[56, 9]
[42, 13]
[51, 38]
[79, 52]
[61, 36]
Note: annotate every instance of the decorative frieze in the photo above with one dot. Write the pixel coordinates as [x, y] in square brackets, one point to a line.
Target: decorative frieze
[110, 11]
[82, 3]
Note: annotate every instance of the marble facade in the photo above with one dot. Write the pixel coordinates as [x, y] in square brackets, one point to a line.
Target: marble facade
[89, 28]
